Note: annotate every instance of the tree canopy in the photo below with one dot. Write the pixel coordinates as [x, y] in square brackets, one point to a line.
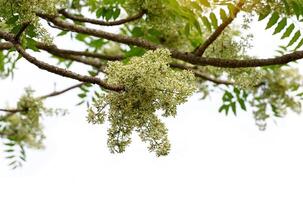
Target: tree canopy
[146, 57]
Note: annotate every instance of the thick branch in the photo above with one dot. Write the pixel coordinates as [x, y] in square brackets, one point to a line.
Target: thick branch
[201, 49]
[56, 70]
[234, 63]
[187, 57]
[6, 46]
[100, 22]
[66, 73]
[99, 33]
[55, 49]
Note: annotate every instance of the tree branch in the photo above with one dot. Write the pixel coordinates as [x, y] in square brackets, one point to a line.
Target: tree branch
[22, 29]
[6, 46]
[56, 70]
[202, 48]
[99, 33]
[187, 57]
[66, 73]
[13, 111]
[234, 63]
[57, 93]
[100, 22]
[200, 74]
[53, 94]
[55, 49]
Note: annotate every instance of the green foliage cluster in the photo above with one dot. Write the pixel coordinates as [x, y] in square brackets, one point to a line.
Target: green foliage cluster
[150, 86]
[280, 92]
[278, 19]
[23, 128]
[25, 9]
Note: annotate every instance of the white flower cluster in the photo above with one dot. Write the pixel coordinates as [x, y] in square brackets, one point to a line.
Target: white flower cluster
[26, 9]
[150, 85]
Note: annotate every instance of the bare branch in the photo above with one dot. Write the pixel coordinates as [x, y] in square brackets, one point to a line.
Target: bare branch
[100, 22]
[13, 111]
[56, 93]
[200, 74]
[202, 48]
[56, 70]
[187, 57]
[55, 49]
[53, 94]
[66, 73]
[235, 63]
[99, 33]
[94, 63]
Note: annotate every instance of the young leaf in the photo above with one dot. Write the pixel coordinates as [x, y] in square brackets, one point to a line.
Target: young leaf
[288, 31]
[273, 20]
[282, 24]
[295, 38]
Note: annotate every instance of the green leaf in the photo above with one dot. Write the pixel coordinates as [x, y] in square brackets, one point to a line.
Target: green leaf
[2, 61]
[81, 37]
[295, 38]
[82, 95]
[242, 104]
[31, 44]
[206, 23]
[116, 13]
[225, 108]
[282, 24]
[273, 20]
[205, 3]
[227, 96]
[62, 33]
[223, 15]
[135, 51]
[108, 14]
[99, 12]
[137, 32]
[299, 44]
[213, 19]
[12, 20]
[288, 31]
[234, 108]
[264, 14]
[187, 29]
[31, 31]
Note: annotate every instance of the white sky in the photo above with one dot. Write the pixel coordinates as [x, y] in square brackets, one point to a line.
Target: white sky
[213, 157]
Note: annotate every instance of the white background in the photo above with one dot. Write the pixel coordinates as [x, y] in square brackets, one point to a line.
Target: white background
[213, 157]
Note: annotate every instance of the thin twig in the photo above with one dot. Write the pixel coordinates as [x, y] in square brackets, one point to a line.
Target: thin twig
[202, 48]
[100, 22]
[57, 93]
[200, 74]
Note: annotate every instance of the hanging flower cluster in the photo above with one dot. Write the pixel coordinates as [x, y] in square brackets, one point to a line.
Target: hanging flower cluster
[150, 86]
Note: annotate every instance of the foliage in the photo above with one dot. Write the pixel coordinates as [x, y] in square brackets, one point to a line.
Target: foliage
[21, 128]
[140, 56]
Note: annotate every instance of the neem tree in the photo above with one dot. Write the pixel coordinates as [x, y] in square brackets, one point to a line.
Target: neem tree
[161, 53]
